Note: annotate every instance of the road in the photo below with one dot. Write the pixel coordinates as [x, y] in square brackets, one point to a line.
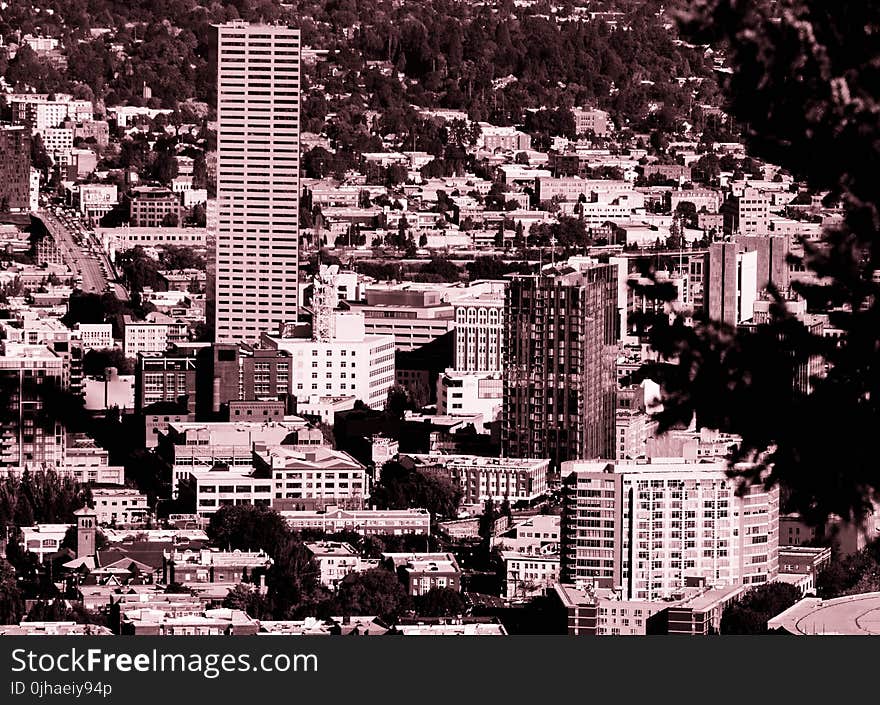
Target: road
[86, 260]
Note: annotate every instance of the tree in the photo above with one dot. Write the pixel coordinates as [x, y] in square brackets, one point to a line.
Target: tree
[244, 597]
[11, 600]
[249, 527]
[95, 361]
[440, 602]
[442, 268]
[750, 614]
[400, 487]
[170, 220]
[293, 580]
[375, 592]
[181, 257]
[40, 159]
[397, 401]
[810, 102]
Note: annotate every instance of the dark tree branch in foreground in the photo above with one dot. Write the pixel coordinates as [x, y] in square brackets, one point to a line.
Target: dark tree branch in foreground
[805, 82]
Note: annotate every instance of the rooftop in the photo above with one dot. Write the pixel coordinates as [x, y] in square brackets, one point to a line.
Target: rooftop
[850, 615]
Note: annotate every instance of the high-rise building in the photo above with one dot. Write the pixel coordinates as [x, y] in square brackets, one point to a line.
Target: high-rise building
[647, 528]
[732, 283]
[15, 168]
[772, 258]
[257, 249]
[29, 432]
[560, 382]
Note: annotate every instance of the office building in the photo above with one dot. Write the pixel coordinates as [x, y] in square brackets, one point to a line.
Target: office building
[339, 359]
[466, 394]
[593, 120]
[335, 560]
[120, 506]
[154, 207]
[165, 377]
[414, 314]
[190, 445]
[256, 252]
[747, 213]
[479, 328]
[732, 283]
[527, 576]
[560, 382]
[422, 572]
[772, 259]
[313, 477]
[40, 113]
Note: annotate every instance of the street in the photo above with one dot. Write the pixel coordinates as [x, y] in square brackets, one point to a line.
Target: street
[80, 252]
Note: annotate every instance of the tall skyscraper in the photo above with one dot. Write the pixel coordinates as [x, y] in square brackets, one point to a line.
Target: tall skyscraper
[257, 237]
[560, 383]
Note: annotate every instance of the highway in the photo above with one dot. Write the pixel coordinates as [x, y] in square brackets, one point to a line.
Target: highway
[81, 252]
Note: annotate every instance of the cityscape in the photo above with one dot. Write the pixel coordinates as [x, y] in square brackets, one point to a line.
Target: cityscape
[334, 317]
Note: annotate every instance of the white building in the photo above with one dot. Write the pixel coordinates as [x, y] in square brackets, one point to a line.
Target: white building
[201, 445]
[367, 522]
[34, 190]
[479, 328]
[676, 520]
[464, 394]
[222, 487]
[120, 506]
[526, 576]
[43, 539]
[97, 200]
[40, 113]
[347, 362]
[143, 337]
[257, 257]
[316, 476]
[95, 336]
[58, 141]
[482, 477]
[536, 535]
[336, 560]
[591, 120]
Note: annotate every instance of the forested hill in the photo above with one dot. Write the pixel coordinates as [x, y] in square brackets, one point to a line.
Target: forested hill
[620, 55]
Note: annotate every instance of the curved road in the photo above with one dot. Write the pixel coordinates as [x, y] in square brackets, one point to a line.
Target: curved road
[90, 267]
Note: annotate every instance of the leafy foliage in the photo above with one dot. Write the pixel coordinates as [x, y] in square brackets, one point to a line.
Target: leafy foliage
[804, 81]
[249, 527]
[401, 488]
[41, 497]
[750, 614]
[375, 592]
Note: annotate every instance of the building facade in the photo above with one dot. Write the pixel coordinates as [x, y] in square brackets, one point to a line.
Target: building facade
[15, 168]
[481, 478]
[560, 379]
[257, 245]
[661, 524]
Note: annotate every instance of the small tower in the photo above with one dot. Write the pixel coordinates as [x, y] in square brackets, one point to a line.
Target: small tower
[86, 525]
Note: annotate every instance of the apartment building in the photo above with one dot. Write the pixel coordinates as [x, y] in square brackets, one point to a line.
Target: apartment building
[647, 528]
[559, 380]
[481, 477]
